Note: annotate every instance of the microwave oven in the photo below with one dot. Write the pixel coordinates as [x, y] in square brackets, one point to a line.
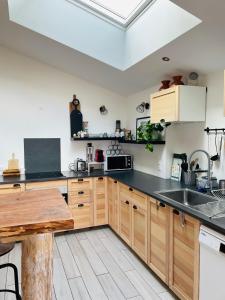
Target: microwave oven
[118, 162]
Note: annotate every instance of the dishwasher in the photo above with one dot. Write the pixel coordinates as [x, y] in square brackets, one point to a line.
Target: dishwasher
[212, 265]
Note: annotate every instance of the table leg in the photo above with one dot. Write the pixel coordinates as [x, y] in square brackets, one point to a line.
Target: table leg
[37, 265]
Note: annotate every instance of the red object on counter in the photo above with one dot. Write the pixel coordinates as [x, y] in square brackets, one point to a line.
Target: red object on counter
[99, 157]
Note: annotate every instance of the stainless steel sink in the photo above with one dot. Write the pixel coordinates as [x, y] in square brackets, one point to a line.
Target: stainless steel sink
[187, 197]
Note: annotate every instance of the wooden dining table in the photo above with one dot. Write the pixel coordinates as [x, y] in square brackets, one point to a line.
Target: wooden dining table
[32, 217]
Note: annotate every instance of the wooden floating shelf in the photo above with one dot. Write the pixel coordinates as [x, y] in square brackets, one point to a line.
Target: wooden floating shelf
[95, 139]
[117, 139]
[142, 142]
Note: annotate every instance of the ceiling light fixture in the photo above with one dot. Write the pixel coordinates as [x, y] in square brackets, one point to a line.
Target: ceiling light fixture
[165, 58]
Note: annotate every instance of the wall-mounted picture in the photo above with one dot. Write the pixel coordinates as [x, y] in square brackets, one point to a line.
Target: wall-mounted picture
[141, 122]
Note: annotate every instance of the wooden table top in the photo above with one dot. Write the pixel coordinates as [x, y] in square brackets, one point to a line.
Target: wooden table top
[32, 212]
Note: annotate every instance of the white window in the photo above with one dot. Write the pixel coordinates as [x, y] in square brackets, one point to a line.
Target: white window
[121, 11]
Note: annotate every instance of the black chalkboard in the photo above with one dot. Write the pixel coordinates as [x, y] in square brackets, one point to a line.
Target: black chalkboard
[42, 155]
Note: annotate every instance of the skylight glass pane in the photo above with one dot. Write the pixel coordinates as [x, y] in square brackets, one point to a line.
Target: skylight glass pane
[122, 8]
[120, 11]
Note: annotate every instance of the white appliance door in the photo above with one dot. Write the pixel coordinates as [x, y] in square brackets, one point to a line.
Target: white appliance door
[212, 265]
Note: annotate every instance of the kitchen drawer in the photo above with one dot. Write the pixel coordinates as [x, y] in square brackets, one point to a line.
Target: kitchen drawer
[52, 184]
[82, 214]
[79, 184]
[79, 196]
[11, 188]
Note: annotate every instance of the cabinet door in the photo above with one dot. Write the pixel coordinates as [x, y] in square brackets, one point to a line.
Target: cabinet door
[115, 197]
[110, 202]
[100, 201]
[125, 218]
[158, 237]
[184, 255]
[139, 230]
[11, 188]
[164, 105]
[82, 214]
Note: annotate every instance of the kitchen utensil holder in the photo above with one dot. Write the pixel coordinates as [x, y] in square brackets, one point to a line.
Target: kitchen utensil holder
[189, 178]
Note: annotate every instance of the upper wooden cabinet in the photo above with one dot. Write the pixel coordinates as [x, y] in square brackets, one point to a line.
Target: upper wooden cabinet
[184, 255]
[179, 104]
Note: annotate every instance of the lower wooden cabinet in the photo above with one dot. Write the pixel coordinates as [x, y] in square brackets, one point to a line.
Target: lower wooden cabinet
[184, 255]
[113, 204]
[80, 191]
[100, 201]
[83, 215]
[139, 229]
[125, 207]
[11, 188]
[158, 238]
[133, 219]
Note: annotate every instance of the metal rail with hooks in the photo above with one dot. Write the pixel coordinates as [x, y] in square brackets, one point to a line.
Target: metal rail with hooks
[215, 130]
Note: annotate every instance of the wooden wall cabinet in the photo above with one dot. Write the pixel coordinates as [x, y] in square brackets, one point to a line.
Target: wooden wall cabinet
[158, 238]
[113, 204]
[184, 255]
[11, 188]
[100, 201]
[179, 104]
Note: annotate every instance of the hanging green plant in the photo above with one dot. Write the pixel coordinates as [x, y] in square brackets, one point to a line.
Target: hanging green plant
[149, 132]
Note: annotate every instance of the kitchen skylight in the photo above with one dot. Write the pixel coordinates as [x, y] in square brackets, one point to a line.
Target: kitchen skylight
[122, 12]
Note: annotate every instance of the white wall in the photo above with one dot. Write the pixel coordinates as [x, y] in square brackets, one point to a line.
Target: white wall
[34, 101]
[181, 137]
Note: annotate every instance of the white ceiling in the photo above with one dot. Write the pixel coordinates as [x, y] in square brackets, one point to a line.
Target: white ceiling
[202, 49]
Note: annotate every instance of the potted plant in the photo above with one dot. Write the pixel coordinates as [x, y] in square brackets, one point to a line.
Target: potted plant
[148, 132]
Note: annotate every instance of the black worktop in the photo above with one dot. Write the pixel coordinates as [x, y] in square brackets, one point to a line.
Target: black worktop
[145, 183]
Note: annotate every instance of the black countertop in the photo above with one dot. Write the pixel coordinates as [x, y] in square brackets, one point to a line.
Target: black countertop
[145, 183]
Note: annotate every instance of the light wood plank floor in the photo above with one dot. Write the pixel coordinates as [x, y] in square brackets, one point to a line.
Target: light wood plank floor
[94, 265]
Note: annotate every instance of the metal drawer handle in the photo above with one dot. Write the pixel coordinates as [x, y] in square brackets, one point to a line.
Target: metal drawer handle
[100, 178]
[16, 185]
[176, 212]
[80, 193]
[115, 181]
[80, 205]
[160, 205]
[134, 207]
[130, 189]
[127, 202]
[80, 179]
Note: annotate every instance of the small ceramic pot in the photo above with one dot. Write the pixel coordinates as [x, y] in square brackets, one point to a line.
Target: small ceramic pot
[177, 80]
[165, 85]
